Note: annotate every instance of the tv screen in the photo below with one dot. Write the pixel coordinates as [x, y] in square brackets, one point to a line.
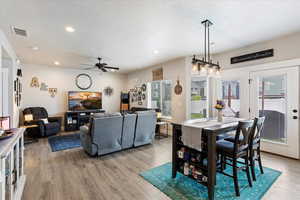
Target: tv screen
[84, 100]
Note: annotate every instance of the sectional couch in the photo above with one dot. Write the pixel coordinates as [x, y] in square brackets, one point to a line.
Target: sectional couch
[108, 133]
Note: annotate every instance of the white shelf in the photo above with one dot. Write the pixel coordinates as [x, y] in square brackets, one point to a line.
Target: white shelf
[12, 161]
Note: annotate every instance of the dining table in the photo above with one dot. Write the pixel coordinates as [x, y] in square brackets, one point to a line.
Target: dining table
[212, 128]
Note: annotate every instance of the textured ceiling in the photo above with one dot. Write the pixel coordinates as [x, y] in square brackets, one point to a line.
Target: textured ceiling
[127, 32]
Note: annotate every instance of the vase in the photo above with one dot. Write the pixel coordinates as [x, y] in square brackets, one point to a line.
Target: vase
[220, 116]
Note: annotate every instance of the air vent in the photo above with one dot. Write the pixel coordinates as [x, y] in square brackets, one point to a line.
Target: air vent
[19, 31]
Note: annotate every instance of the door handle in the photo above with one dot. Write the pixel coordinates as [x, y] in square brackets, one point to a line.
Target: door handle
[295, 117]
[295, 111]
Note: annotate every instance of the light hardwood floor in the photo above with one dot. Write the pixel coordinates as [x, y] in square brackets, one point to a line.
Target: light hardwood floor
[72, 175]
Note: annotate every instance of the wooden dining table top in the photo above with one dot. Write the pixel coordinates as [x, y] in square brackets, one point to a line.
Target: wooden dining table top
[212, 125]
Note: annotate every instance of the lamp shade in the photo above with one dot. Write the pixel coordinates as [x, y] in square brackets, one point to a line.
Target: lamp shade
[28, 117]
[159, 115]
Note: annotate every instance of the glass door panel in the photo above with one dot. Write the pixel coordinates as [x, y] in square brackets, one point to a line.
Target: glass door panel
[231, 97]
[199, 97]
[272, 103]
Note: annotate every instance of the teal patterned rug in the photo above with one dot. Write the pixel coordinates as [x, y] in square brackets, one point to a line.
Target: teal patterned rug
[184, 188]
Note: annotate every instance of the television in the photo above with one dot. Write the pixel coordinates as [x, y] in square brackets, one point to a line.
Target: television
[79, 101]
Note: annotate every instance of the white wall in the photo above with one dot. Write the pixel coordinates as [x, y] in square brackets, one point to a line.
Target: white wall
[171, 71]
[64, 80]
[4, 43]
[285, 48]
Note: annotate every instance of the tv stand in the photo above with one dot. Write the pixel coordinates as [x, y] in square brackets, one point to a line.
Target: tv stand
[75, 119]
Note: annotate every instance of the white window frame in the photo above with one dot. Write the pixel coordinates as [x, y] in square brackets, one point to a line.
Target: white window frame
[149, 105]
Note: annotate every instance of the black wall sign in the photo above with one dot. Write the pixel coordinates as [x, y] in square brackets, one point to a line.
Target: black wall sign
[253, 56]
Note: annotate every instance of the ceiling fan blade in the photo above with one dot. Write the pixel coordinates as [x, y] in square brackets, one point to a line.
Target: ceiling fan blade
[89, 68]
[87, 64]
[103, 69]
[115, 68]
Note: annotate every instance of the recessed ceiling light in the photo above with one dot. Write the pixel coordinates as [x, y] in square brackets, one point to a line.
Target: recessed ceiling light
[155, 51]
[69, 29]
[35, 48]
[56, 63]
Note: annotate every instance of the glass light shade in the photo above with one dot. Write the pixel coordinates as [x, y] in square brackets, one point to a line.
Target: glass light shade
[159, 115]
[195, 67]
[28, 117]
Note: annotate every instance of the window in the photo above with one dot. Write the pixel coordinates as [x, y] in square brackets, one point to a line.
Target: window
[231, 97]
[161, 92]
[198, 97]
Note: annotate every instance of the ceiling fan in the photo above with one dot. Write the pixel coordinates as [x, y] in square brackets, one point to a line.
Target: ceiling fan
[102, 66]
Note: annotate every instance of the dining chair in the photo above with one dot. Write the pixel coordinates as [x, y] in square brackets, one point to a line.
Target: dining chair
[254, 145]
[232, 151]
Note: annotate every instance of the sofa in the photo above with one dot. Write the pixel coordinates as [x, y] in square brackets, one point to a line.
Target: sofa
[47, 126]
[108, 133]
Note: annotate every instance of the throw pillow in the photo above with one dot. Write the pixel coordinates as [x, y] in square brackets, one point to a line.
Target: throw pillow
[45, 121]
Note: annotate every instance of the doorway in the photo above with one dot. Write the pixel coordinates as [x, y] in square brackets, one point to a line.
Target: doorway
[274, 93]
[6, 88]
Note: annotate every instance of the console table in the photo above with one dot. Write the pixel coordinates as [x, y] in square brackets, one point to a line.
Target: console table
[12, 177]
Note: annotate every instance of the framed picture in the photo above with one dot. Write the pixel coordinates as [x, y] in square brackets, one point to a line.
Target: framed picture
[15, 85]
[20, 87]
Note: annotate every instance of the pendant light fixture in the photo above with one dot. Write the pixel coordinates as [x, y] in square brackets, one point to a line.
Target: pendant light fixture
[206, 65]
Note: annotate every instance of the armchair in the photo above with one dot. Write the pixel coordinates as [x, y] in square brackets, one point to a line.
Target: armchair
[47, 126]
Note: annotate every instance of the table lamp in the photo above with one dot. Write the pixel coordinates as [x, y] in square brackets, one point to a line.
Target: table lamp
[159, 115]
[28, 117]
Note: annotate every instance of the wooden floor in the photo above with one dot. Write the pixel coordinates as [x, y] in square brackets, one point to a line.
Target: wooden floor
[71, 174]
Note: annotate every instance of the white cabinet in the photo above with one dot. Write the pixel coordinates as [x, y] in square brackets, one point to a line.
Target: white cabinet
[12, 178]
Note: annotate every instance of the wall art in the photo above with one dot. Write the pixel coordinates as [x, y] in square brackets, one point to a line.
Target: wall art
[157, 74]
[83, 81]
[144, 87]
[44, 87]
[178, 88]
[108, 91]
[52, 91]
[35, 82]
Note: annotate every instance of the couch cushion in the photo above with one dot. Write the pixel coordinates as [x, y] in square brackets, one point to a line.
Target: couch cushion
[84, 129]
[52, 125]
[101, 115]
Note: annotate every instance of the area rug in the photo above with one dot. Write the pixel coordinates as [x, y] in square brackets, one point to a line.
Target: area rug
[63, 142]
[184, 188]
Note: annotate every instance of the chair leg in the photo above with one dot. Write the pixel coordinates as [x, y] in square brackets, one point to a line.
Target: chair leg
[252, 164]
[225, 159]
[248, 171]
[259, 160]
[235, 177]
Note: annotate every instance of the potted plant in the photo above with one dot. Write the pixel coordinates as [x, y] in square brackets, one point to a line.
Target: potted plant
[220, 105]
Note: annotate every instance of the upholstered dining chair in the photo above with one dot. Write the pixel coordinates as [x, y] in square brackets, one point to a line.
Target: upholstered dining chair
[232, 151]
[254, 145]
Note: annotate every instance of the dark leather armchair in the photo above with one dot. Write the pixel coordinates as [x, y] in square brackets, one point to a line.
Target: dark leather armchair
[45, 129]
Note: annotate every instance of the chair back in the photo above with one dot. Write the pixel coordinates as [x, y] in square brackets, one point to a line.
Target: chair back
[258, 127]
[243, 132]
[36, 112]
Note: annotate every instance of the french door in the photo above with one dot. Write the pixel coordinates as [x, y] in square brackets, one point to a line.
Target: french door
[274, 94]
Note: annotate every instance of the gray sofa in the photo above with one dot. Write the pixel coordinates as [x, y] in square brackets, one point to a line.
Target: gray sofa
[145, 127]
[110, 133]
